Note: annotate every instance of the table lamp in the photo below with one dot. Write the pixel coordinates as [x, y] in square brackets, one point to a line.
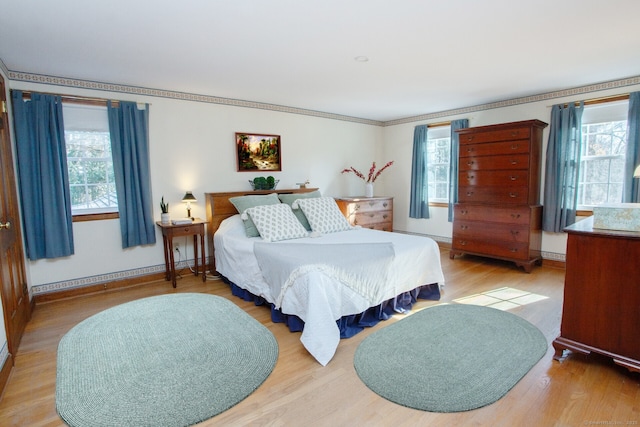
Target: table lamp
[188, 198]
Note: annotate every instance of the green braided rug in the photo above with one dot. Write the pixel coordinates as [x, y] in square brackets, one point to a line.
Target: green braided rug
[171, 360]
[449, 358]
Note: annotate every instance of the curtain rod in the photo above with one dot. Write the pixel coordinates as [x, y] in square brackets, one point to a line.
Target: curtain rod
[601, 100]
[73, 99]
[439, 124]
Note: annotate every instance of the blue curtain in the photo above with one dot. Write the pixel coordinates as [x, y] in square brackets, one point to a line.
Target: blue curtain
[129, 130]
[419, 201]
[43, 175]
[562, 167]
[631, 190]
[453, 162]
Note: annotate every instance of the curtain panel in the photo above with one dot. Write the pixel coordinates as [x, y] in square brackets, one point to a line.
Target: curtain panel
[43, 175]
[631, 187]
[419, 199]
[129, 130]
[454, 155]
[562, 167]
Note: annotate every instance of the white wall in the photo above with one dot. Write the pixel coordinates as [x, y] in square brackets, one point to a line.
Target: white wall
[398, 145]
[192, 147]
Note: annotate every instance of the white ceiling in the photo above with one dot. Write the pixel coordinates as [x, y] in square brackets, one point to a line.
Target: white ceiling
[425, 56]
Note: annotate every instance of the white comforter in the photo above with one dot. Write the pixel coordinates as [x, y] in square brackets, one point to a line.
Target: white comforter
[319, 295]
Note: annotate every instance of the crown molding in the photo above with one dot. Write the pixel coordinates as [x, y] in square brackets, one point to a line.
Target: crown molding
[613, 84]
[4, 68]
[118, 88]
[112, 87]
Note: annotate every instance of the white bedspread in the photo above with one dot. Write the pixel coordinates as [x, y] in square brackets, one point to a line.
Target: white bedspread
[319, 295]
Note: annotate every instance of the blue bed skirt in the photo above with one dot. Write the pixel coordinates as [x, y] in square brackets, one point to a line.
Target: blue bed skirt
[352, 324]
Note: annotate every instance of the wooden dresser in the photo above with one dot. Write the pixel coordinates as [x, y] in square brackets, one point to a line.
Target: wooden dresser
[601, 307]
[368, 212]
[498, 213]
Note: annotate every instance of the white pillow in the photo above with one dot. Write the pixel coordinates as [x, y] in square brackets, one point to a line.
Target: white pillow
[276, 222]
[323, 214]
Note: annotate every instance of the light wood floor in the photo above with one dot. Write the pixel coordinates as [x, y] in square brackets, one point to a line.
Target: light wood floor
[581, 391]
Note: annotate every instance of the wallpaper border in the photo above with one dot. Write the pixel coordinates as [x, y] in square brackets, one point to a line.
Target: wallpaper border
[80, 282]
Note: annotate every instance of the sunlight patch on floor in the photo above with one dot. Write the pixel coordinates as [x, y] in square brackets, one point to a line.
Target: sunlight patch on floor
[502, 298]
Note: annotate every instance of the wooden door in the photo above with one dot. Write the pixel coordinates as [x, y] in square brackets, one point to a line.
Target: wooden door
[15, 296]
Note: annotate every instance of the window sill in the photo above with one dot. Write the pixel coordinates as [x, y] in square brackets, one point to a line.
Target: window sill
[439, 204]
[95, 217]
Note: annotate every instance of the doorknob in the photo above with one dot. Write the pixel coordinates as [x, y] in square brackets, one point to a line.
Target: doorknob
[6, 225]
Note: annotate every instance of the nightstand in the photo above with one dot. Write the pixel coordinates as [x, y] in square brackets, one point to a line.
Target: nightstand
[368, 212]
[169, 231]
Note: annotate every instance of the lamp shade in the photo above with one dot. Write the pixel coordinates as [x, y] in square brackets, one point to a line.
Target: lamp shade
[189, 197]
[636, 173]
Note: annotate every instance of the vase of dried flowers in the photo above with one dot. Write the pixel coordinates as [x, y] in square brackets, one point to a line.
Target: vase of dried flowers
[368, 189]
[370, 179]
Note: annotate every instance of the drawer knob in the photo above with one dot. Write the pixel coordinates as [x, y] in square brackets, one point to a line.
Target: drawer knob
[514, 232]
[514, 162]
[513, 195]
[470, 163]
[464, 212]
[515, 216]
[515, 133]
[371, 215]
[385, 216]
[470, 177]
[464, 227]
[469, 149]
[513, 178]
[514, 250]
[385, 204]
[357, 206]
[469, 193]
[515, 146]
[463, 243]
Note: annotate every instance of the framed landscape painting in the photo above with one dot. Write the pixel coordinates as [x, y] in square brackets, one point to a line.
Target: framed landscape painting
[258, 152]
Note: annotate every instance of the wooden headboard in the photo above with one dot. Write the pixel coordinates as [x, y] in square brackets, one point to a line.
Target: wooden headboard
[220, 208]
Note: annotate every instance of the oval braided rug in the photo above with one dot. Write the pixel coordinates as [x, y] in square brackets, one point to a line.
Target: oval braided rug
[449, 358]
[170, 360]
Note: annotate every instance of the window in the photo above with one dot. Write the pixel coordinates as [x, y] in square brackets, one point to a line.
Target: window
[604, 141]
[438, 153]
[91, 176]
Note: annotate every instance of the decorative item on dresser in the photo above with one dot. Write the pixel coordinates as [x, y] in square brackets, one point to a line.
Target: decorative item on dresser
[368, 212]
[601, 294]
[498, 213]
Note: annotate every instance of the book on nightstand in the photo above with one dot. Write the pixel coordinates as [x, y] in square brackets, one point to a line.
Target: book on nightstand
[181, 221]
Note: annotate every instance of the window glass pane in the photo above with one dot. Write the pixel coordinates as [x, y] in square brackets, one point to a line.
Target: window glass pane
[604, 128]
[438, 151]
[91, 175]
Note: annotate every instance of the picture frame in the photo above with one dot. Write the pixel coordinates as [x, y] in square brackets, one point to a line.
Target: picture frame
[257, 152]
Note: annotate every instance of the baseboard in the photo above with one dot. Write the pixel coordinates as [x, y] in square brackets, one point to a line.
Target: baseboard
[102, 287]
[5, 371]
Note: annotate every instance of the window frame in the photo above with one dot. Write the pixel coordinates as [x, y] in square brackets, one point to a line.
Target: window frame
[439, 202]
[587, 210]
[91, 216]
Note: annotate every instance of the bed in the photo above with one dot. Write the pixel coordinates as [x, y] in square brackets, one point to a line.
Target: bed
[329, 284]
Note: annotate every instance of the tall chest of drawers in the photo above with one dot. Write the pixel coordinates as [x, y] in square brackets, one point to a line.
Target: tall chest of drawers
[498, 213]
[368, 212]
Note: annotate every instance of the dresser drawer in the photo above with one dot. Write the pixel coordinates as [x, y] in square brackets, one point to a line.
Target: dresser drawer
[493, 148]
[367, 218]
[491, 231]
[505, 178]
[494, 194]
[511, 215]
[496, 135]
[371, 205]
[513, 161]
[510, 250]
